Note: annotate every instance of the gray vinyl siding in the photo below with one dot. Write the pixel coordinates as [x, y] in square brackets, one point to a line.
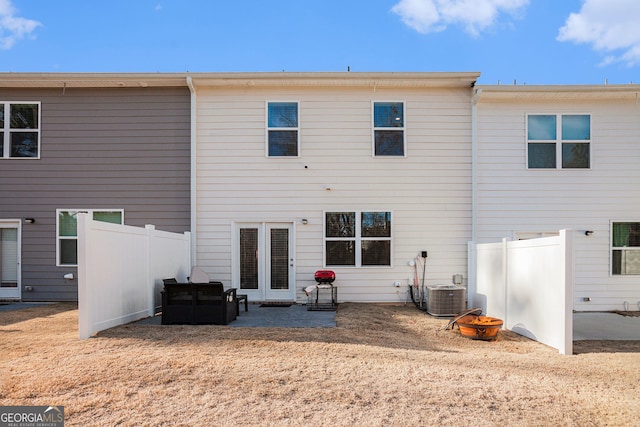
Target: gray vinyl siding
[123, 148]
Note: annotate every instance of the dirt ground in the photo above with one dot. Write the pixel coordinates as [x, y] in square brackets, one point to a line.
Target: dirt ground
[381, 366]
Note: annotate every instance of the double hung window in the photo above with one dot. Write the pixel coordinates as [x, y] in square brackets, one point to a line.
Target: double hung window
[358, 239]
[19, 130]
[388, 129]
[559, 141]
[283, 136]
[67, 231]
[625, 248]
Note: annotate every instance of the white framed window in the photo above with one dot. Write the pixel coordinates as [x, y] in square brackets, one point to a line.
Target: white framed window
[67, 231]
[558, 141]
[283, 131]
[625, 248]
[388, 129]
[357, 239]
[19, 130]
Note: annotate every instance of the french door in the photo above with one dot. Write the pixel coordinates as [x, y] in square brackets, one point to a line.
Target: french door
[10, 260]
[264, 265]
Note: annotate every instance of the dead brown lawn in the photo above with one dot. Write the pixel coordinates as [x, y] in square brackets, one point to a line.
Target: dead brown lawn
[381, 366]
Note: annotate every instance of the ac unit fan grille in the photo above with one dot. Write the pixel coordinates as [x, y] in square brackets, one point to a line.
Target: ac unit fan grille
[445, 300]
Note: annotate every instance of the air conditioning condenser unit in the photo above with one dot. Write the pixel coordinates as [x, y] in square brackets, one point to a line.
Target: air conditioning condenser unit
[446, 300]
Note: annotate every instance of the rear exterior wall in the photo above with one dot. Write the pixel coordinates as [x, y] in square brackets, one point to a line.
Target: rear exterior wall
[513, 199]
[117, 148]
[428, 191]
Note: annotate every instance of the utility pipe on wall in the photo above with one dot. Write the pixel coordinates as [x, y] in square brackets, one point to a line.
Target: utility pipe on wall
[193, 175]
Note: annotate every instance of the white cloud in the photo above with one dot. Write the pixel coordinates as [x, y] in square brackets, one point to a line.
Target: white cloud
[428, 16]
[610, 26]
[13, 28]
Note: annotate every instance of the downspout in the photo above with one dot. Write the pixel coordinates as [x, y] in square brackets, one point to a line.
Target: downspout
[193, 175]
[474, 163]
[472, 267]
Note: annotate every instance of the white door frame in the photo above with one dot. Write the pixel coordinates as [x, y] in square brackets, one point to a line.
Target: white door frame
[263, 293]
[14, 292]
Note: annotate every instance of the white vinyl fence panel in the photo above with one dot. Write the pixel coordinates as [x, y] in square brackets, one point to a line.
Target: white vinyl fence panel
[529, 284]
[120, 271]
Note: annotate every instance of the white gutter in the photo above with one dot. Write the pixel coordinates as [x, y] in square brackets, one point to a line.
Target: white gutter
[193, 194]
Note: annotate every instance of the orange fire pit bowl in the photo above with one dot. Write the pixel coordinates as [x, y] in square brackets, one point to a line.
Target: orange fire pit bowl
[479, 327]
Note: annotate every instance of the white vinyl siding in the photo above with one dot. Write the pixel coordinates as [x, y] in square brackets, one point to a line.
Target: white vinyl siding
[512, 198]
[429, 192]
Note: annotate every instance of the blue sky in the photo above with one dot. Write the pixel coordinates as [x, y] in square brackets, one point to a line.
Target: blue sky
[527, 41]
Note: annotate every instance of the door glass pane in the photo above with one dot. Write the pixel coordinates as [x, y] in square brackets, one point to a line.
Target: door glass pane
[8, 257]
[279, 258]
[541, 128]
[248, 258]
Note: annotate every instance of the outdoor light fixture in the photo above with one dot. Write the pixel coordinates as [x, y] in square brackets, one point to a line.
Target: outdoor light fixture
[29, 220]
[305, 221]
[588, 233]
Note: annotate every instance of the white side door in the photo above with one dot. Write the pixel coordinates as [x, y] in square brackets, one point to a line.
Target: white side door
[263, 261]
[279, 262]
[10, 260]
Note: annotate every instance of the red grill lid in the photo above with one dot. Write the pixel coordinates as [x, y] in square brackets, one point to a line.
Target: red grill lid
[325, 276]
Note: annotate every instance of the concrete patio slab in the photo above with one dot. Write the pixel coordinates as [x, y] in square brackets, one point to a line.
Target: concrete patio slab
[11, 306]
[295, 316]
[605, 326]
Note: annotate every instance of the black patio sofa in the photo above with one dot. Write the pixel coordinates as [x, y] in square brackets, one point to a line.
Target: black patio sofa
[198, 303]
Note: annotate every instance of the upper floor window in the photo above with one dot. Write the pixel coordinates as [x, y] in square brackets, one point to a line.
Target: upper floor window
[625, 248]
[19, 130]
[282, 129]
[67, 231]
[358, 239]
[559, 141]
[388, 129]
